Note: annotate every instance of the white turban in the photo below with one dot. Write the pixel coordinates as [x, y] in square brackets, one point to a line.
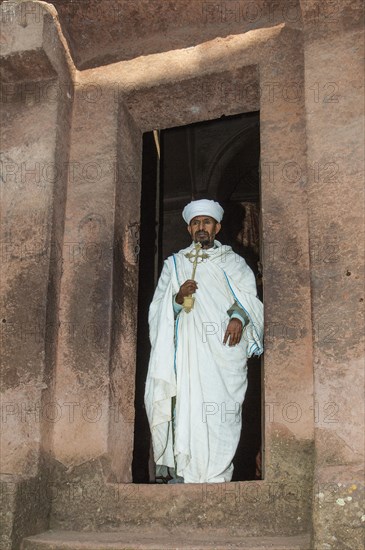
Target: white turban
[203, 207]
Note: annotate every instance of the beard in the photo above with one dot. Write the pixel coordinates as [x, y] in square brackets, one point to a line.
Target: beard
[204, 239]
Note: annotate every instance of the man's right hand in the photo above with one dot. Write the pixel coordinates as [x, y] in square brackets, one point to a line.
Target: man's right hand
[186, 289]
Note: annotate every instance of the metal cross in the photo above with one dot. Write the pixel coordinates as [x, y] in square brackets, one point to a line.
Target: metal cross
[195, 258]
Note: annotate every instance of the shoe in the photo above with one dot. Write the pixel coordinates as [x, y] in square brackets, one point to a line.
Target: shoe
[177, 479]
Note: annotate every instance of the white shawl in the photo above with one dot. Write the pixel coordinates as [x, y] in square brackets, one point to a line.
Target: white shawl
[188, 360]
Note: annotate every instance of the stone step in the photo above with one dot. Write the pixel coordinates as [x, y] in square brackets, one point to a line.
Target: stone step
[148, 539]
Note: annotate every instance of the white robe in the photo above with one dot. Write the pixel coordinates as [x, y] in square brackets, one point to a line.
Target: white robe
[189, 360]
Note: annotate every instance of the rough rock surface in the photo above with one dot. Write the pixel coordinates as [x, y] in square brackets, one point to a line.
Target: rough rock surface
[82, 81]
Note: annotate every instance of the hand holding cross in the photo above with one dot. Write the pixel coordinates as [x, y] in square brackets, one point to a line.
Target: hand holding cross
[187, 289]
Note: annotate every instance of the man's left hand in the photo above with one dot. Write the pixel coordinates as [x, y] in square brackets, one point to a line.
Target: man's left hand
[233, 332]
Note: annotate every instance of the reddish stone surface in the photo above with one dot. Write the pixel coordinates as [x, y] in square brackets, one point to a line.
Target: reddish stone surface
[160, 540]
[70, 294]
[101, 33]
[335, 198]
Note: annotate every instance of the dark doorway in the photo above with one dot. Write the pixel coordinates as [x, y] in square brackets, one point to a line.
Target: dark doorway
[220, 160]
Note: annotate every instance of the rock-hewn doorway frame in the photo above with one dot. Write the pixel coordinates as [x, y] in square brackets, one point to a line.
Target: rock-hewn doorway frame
[247, 88]
[243, 74]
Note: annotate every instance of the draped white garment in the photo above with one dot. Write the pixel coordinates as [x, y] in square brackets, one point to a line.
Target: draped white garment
[189, 360]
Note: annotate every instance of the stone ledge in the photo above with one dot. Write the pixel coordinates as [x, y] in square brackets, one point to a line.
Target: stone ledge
[147, 539]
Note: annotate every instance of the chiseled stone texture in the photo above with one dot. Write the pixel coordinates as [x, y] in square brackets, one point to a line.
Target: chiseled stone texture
[83, 500]
[125, 30]
[70, 270]
[162, 539]
[35, 112]
[25, 505]
[256, 58]
[82, 360]
[335, 157]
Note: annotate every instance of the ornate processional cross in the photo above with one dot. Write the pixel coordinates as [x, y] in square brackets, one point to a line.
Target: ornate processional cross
[195, 258]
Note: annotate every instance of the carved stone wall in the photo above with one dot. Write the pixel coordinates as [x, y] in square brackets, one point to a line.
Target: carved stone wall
[71, 178]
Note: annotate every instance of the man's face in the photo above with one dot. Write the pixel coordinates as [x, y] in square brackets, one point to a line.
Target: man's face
[203, 230]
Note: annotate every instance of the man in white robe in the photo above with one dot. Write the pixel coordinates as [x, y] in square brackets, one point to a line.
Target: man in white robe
[197, 375]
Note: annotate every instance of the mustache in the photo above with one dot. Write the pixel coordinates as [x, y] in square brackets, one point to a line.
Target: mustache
[203, 237]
